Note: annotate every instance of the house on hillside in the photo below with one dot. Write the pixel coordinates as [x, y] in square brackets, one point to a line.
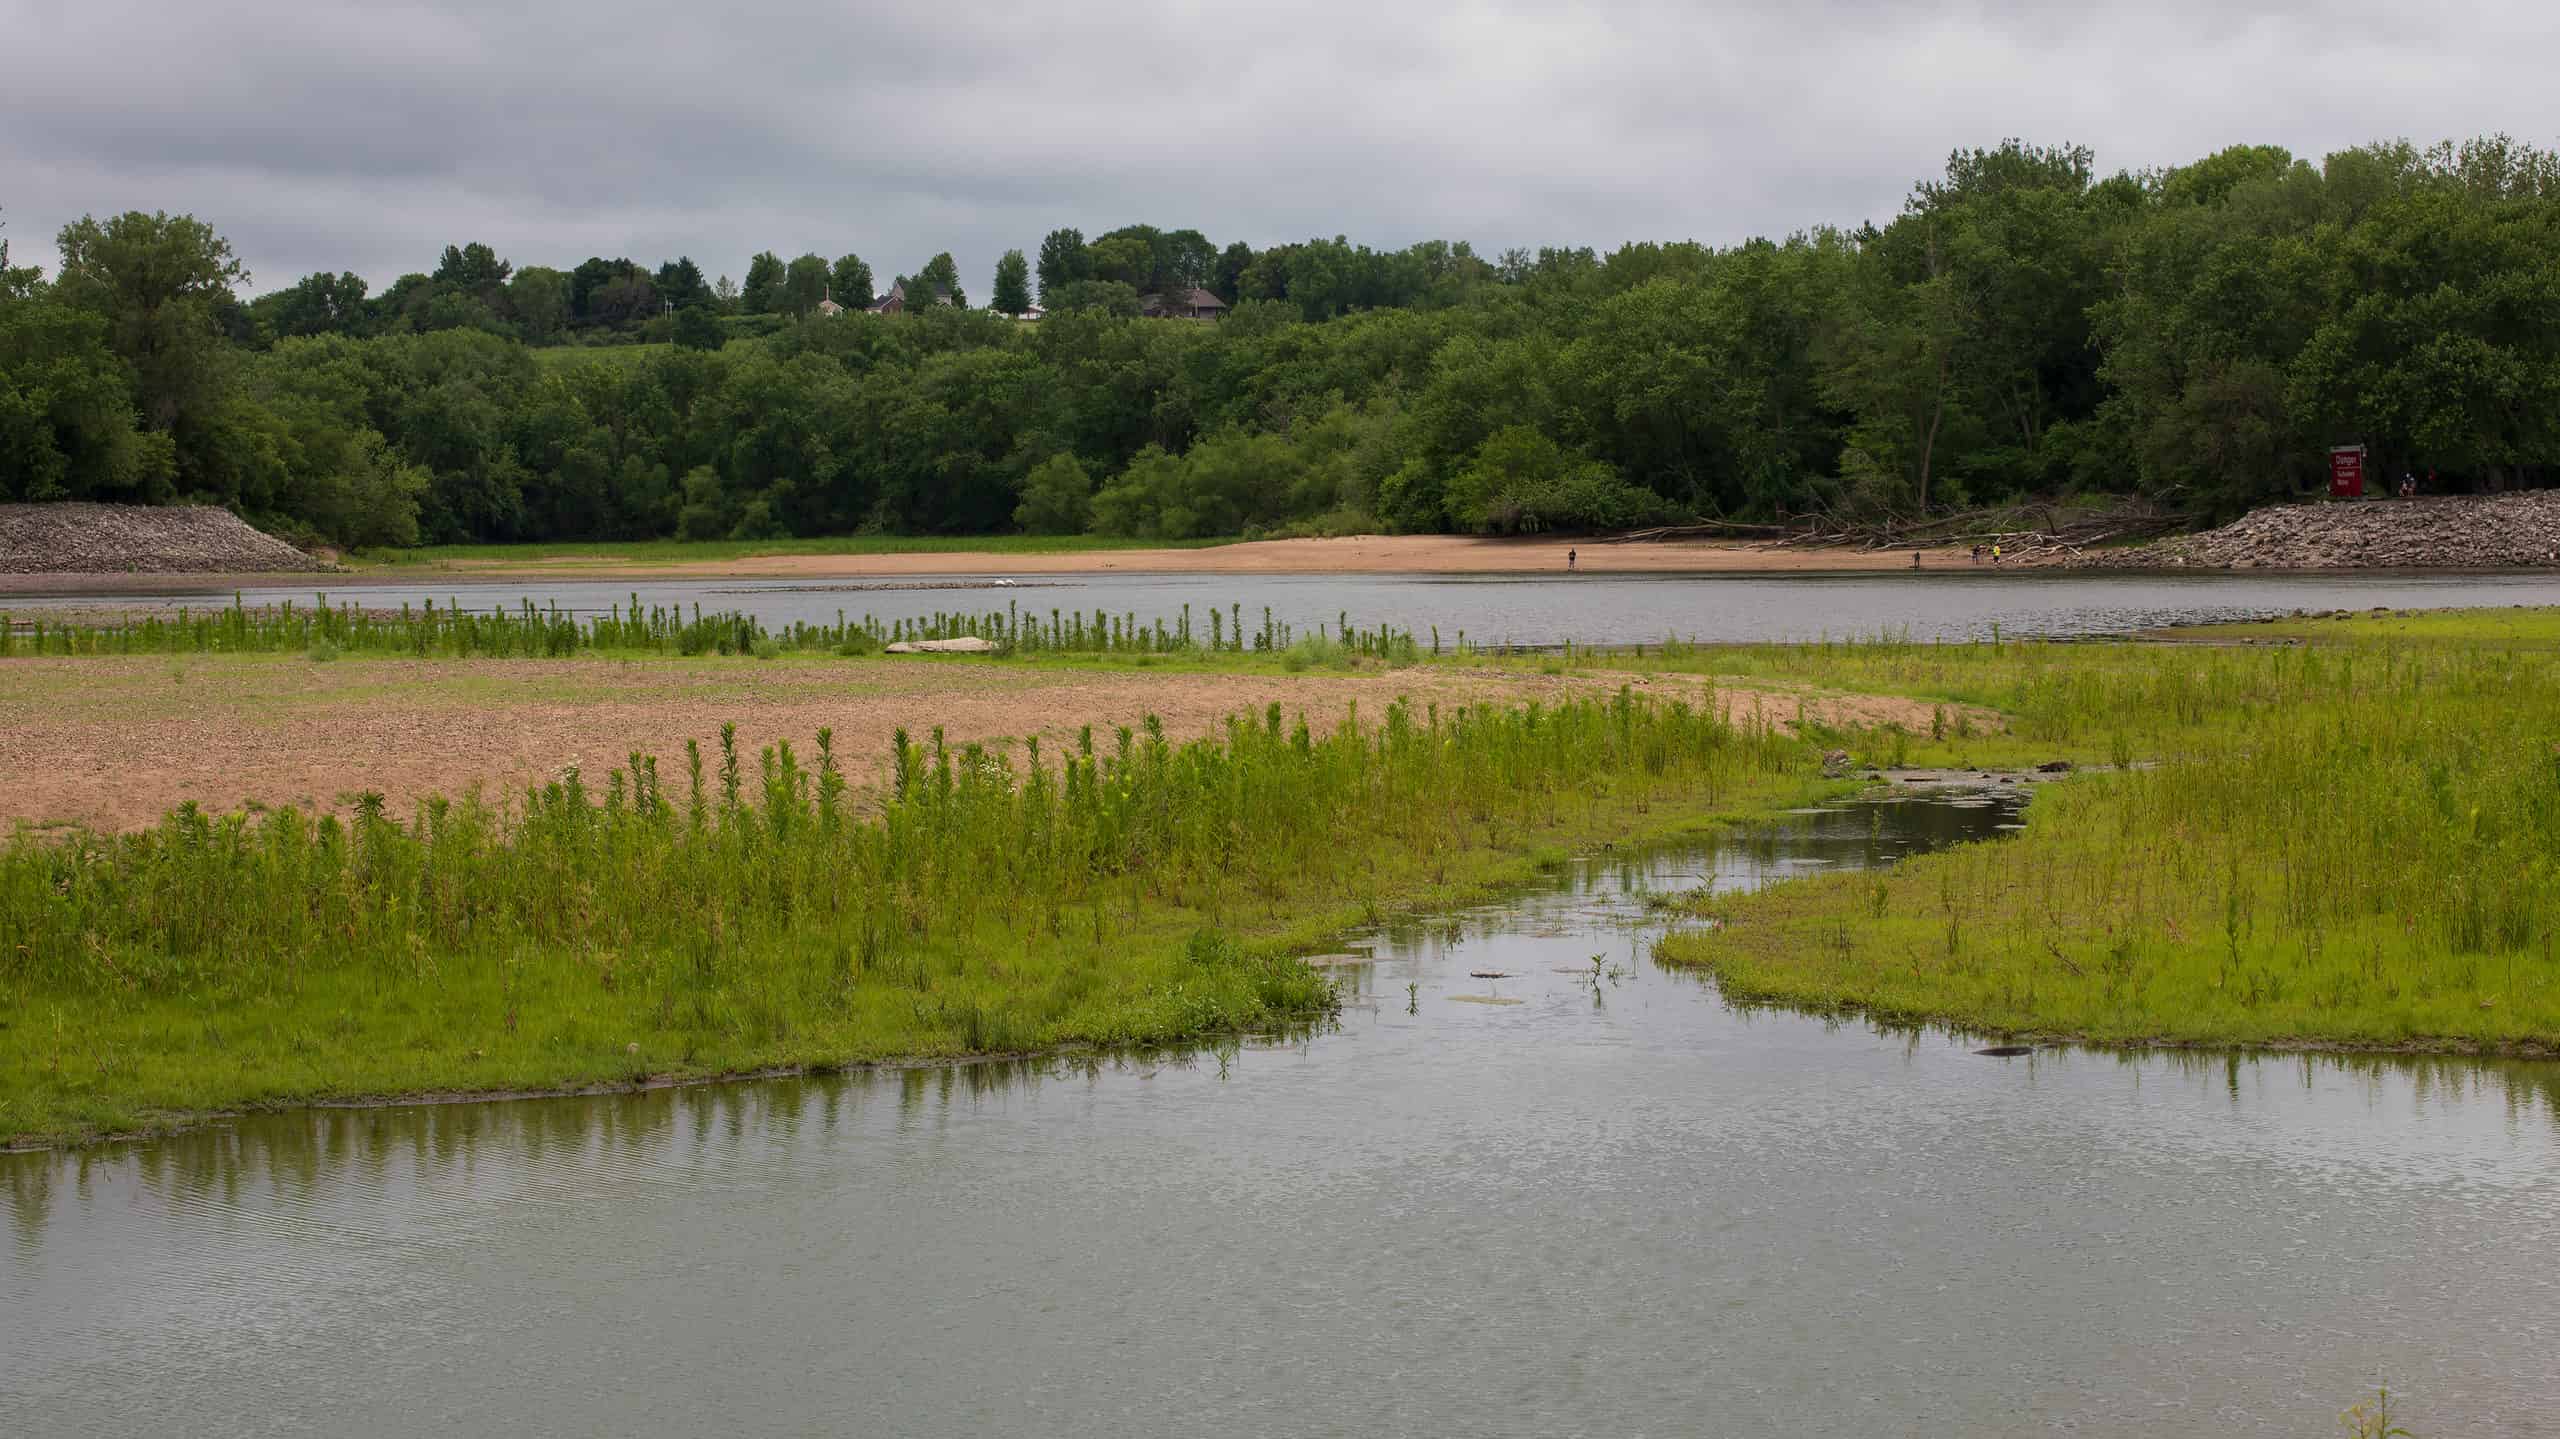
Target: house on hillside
[829, 307]
[895, 302]
[1192, 304]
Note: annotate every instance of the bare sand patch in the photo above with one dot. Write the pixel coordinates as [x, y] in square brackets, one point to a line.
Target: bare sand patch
[1360, 554]
[115, 742]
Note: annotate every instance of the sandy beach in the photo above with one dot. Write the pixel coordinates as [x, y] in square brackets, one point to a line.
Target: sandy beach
[1361, 554]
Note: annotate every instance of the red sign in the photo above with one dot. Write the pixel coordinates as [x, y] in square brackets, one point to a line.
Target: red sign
[2346, 472]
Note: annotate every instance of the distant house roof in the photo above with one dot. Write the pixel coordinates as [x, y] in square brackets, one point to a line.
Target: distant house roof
[896, 300]
[829, 307]
[1194, 303]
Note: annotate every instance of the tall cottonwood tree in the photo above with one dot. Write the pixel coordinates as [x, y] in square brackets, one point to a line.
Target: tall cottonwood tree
[1013, 283]
[763, 287]
[940, 278]
[804, 284]
[851, 280]
[158, 280]
[1064, 261]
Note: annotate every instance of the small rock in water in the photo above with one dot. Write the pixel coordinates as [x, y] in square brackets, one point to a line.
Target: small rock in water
[965, 645]
[1488, 974]
[2007, 1051]
[2054, 766]
[1835, 763]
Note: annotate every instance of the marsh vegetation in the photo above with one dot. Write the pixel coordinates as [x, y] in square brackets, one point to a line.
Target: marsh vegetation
[2350, 843]
[727, 911]
[2345, 842]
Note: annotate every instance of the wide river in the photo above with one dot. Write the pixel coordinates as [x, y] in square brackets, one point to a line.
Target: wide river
[1525, 609]
[1548, 1203]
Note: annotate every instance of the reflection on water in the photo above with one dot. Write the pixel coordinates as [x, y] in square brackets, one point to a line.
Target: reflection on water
[1526, 609]
[1616, 1205]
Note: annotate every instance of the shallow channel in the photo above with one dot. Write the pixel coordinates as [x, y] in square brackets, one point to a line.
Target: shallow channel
[1607, 1205]
[1500, 609]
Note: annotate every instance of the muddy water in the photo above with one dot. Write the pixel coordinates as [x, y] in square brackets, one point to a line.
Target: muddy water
[1615, 1207]
[1526, 609]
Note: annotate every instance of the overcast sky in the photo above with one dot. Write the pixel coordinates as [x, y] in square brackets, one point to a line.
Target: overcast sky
[367, 134]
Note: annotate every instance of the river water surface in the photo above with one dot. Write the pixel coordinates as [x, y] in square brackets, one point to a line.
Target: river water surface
[1523, 609]
[1604, 1204]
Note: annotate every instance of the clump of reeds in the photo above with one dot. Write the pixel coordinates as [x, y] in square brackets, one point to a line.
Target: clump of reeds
[976, 899]
[527, 630]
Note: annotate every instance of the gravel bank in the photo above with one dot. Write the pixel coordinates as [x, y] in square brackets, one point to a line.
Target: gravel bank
[2447, 532]
[139, 539]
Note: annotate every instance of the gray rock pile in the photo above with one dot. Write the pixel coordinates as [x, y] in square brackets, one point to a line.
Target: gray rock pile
[2446, 532]
[138, 539]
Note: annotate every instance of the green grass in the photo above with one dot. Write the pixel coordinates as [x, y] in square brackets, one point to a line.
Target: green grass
[557, 357]
[745, 916]
[676, 552]
[2354, 845]
[2518, 627]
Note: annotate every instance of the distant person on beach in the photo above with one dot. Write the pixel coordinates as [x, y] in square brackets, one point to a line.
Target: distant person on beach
[2408, 485]
[1977, 554]
[1995, 554]
[1572, 559]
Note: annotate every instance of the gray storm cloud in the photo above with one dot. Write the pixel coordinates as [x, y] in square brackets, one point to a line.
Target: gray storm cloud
[366, 137]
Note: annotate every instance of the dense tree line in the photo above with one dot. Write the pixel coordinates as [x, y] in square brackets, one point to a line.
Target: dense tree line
[2022, 327]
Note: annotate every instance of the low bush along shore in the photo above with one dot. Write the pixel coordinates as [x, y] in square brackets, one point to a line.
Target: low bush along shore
[2353, 843]
[2347, 842]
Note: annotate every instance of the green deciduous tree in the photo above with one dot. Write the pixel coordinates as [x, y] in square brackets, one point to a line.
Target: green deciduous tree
[1227, 280]
[317, 304]
[697, 328]
[67, 411]
[762, 291]
[538, 296]
[474, 268]
[680, 283]
[1057, 497]
[1107, 297]
[938, 280]
[156, 280]
[1064, 261]
[804, 284]
[1013, 283]
[851, 279]
[1122, 259]
[1521, 482]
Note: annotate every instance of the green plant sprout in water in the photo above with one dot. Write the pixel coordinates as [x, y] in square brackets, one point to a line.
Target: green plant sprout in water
[2371, 1419]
